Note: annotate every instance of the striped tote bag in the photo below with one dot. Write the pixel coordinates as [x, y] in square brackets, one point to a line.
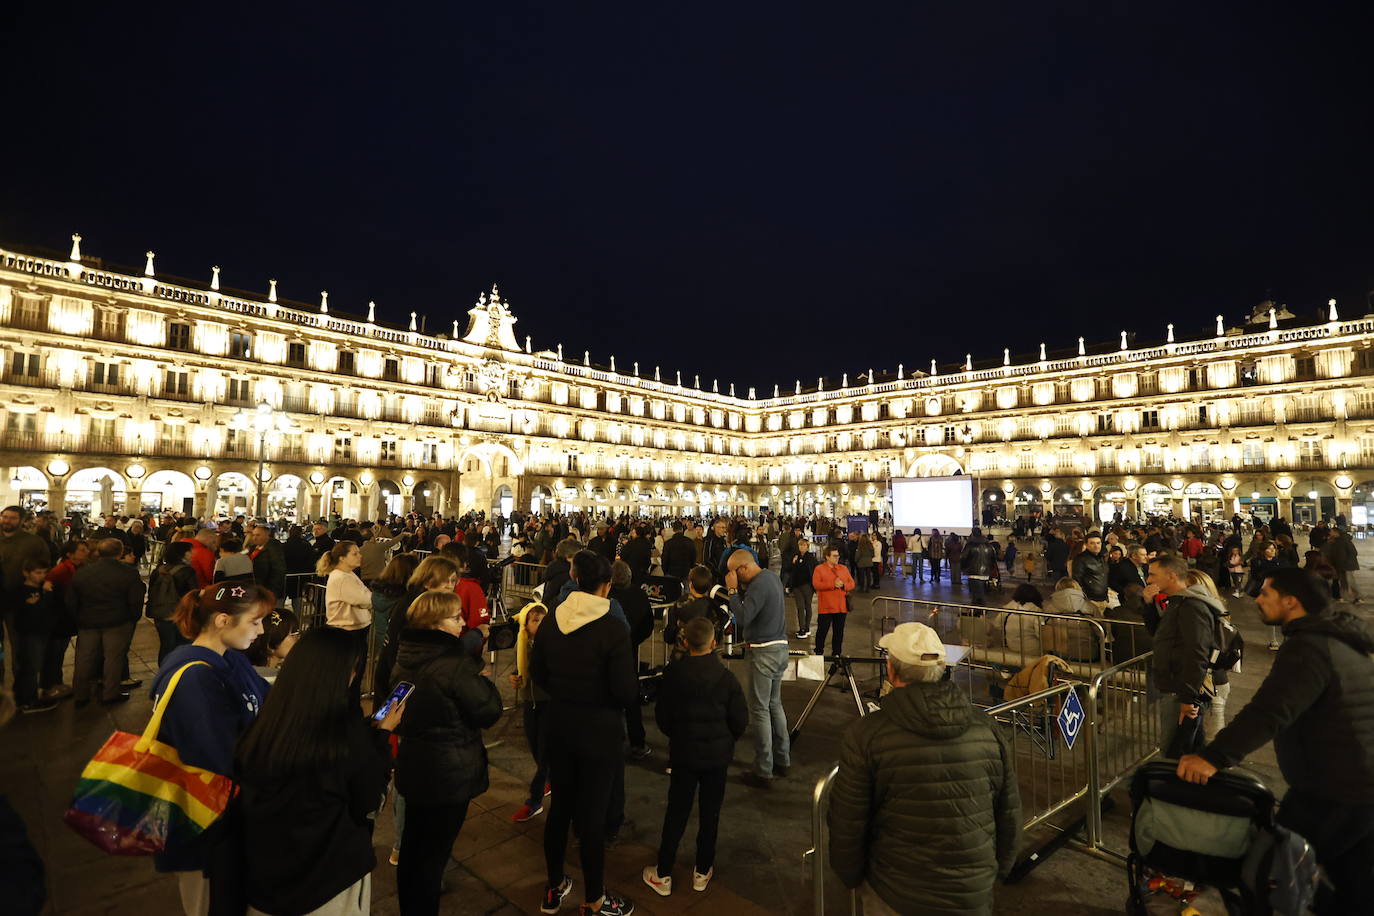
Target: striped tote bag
[136, 798]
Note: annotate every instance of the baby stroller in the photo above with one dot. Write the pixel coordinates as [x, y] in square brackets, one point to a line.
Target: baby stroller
[1221, 836]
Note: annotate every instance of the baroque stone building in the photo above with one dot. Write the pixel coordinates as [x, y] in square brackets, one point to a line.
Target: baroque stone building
[122, 391]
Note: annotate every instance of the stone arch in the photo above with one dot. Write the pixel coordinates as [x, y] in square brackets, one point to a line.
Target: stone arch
[172, 491]
[287, 496]
[232, 493]
[341, 496]
[27, 487]
[389, 498]
[936, 465]
[94, 491]
[486, 453]
[428, 496]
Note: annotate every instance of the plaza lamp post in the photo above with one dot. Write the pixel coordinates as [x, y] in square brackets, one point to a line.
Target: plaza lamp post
[264, 420]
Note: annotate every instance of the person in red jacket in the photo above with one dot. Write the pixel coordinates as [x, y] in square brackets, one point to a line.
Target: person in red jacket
[832, 582]
[203, 555]
[470, 591]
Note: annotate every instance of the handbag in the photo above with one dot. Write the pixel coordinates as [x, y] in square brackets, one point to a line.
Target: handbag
[136, 798]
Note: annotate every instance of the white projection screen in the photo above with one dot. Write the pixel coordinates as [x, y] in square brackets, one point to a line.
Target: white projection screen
[933, 502]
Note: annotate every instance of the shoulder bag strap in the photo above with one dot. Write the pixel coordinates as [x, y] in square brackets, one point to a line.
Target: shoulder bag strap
[155, 723]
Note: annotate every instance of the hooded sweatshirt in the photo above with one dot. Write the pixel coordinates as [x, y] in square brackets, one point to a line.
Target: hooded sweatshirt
[1317, 706]
[585, 661]
[925, 807]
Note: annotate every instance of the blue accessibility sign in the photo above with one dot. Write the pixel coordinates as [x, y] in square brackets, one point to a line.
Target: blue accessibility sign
[1071, 718]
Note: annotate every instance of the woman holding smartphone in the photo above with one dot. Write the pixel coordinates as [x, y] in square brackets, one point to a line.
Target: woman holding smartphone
[311, 772]
[442, 764]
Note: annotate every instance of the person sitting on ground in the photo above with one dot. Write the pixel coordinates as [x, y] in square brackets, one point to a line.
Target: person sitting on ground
[1021, 632]
[1068, 598]
[926, 787]
[701, 710]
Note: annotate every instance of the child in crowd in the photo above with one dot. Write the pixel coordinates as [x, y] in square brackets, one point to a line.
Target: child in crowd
[35, 618]
[1235, 565]
[534, 705]
[701, 709]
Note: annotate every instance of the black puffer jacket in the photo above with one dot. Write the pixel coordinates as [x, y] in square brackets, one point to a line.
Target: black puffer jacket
[1183, 647]
[701, 709]
[584, 660]
[1090, 571]
[979, 558]
[925, 807]
[1317, 706]
[442, 760]
[105, 593]
[679, 555]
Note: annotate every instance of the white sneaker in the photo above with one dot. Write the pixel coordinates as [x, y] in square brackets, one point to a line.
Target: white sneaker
[699, 881]
[662, 886]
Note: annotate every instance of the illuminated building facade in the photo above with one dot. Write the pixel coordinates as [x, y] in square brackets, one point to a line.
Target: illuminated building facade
[122, 391]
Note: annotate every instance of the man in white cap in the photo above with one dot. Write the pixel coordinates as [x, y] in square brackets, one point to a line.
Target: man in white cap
[925, 814]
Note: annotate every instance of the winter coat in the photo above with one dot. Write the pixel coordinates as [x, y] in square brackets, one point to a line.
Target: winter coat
[585, 661]
[300, 556]
[1090, 572]
[829, 599]
[307, 837]
[979, 559]
[679, 614]
[1317, 706]
[1020, 632]
[679, 554]
[1056, 553]
[15, 549]
[269, 567]
[925, 807]
[800, 570]
[637, 555]
[863, 553]
[1183, 646]
[105, 592]
[1340, 553]
[635, 603]
[701, 709]
[441, 759]
[1069, 601]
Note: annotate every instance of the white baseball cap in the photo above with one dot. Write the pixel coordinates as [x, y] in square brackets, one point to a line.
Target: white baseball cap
[914, 644]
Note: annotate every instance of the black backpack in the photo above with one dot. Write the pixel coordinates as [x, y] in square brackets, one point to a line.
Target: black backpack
[163, 593]
[1230, 644]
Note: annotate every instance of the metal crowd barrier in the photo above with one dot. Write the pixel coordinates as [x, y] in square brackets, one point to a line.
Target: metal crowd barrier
[1120, 734]
[295, 583]
[519, 581]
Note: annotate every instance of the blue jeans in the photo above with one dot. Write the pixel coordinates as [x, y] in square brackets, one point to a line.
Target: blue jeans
[772, 747]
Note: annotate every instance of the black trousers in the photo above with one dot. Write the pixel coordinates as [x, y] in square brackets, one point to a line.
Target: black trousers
[54, 654]
[582, 794]
[634, 725]
[537, 734]
[823, 625]
[682, 786]
[360, 642]
[427, 845]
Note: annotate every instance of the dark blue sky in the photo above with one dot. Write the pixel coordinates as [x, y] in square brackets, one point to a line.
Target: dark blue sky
[757, 192]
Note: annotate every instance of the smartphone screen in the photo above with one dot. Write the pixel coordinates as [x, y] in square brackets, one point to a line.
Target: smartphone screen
[402, 691]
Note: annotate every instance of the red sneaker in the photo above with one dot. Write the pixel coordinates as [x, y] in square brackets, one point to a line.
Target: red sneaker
[527, 813]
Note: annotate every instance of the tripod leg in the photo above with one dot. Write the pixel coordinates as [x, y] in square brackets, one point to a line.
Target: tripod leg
[811, 703]
[854, 688]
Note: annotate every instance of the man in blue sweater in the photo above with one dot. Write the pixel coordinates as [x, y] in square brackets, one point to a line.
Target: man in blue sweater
[760, 622]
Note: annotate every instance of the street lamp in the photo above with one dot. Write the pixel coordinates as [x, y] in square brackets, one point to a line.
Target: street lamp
[263, 420]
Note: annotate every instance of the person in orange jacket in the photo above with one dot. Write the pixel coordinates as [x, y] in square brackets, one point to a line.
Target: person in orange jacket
[833, 583]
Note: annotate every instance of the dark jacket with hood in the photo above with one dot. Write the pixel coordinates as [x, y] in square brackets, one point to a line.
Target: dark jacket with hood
[701, 709]
[925, 807]
[585, 661]
[441, 759]
[1317, 705]
[1183, 644]
[105, 592]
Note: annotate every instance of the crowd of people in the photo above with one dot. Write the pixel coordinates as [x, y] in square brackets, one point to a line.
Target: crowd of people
[281, 711]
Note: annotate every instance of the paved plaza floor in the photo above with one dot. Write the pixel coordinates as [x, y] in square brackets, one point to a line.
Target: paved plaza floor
[498, 865]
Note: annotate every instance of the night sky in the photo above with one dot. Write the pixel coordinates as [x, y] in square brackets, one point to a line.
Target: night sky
[756, 192]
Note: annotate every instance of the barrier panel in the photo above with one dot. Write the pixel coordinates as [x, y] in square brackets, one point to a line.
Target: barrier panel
[519, 580]
[1051, 776]
[295, 583]
[819, 852]
[1123, 732]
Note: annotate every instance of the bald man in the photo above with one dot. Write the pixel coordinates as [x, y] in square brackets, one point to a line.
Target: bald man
[760, 622]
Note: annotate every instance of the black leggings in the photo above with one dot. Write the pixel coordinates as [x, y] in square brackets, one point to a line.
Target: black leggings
[426, 845]
[582, 794]
[825, 622]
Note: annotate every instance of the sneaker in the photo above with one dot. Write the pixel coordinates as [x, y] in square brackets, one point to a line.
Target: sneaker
[755, 781]
[60, 692]
[527, 813]
[640, 753]
[611, 905]
[662, 886]
[131, 683]
[780, 771]
[699, 881]
[395, 857]
[1273, 647]
[553, 896]
[806, 634]
[548, 789]
[38, 706]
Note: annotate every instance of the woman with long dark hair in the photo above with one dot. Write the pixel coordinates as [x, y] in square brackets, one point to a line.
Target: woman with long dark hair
[442, 764]
[311, 771]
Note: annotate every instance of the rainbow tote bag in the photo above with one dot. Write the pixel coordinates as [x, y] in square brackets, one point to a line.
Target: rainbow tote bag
[136, 797]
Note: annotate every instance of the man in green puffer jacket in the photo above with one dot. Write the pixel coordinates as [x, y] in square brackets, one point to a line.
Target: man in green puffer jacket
[924, 814]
